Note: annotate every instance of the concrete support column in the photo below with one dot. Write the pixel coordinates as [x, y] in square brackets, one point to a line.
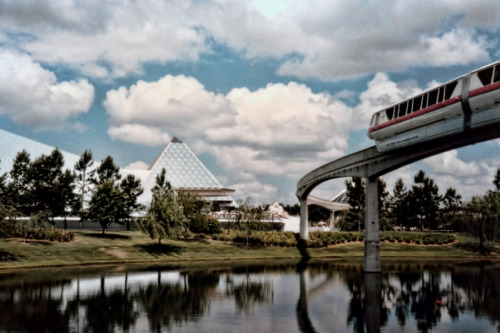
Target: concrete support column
[372, 238]
[304, 220]
[332, 221]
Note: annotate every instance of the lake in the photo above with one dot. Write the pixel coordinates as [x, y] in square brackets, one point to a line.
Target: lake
[276, 296]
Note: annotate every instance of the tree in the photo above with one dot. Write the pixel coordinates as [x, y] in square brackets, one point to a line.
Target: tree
[44, 178]
[18, 186]
[131, 189]
[82, 168]
[40, 189]
[452, 203]
[107, 204]
[424, 201]
[163, 218]
[248, 218]
[355, 191]
[383, 203]
[5, 209]
[107, 170]
[192, 207]
[476, 212]
[400, 205]
[318, 213]
[496, 180]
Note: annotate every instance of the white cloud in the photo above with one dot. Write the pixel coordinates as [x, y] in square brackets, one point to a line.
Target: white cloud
[381, 93]
[137, 165]
[255, 191]
[179, 105]
[118, 39]
[449, 163]
[327, 40]
[32, 96]
[360, 37]
[146, 135]
[448, 170]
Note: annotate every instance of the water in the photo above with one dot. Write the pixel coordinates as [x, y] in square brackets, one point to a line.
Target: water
[274, 297]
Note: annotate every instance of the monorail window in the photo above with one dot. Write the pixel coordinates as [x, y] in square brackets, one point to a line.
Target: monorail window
[441, 95]
[417, 101]
[485, 75]
[496, 78]
[433, 97]
[402, 109]
[389, 112]
[450, 87]
[424, 101]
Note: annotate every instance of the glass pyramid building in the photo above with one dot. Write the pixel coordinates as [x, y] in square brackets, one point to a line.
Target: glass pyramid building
[184, 171]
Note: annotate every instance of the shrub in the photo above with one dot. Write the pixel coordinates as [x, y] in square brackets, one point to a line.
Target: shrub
[18, 229]
[204, 224]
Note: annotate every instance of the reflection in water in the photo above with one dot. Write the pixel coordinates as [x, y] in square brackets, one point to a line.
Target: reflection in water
[295, 298]
[248, 294]
[184, 300]
[303, 320]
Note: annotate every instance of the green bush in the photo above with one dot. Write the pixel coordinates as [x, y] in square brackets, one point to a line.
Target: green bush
[205, 224]
[425, 238]
[22, 229]
[323, 239]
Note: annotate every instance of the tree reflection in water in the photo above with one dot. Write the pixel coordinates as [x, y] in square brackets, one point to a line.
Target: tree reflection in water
[105, 310]
[165, 300]
[248, 293]
[165, 303]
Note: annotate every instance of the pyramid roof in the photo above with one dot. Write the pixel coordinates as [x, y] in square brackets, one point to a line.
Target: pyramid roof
[184, 170]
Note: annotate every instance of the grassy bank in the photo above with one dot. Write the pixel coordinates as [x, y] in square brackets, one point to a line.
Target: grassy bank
[91, 247]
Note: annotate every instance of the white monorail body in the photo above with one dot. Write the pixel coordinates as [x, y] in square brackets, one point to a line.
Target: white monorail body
[470, 101]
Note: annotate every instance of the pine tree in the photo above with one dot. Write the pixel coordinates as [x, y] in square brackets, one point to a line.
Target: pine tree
[424, 201]
[83, 171]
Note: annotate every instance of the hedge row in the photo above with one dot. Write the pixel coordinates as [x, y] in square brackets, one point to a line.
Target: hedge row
[319, 239]
[11, 229]
[425, 238]
[259, 238]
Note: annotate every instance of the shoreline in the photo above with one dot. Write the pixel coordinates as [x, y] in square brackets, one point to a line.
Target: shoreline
[133, 248]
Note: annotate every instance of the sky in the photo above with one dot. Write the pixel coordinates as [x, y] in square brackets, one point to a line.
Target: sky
[261, 91]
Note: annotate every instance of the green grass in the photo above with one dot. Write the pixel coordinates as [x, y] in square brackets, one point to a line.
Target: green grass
[133, 247]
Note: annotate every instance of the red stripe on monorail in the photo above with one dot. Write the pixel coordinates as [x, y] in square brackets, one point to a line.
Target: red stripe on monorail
[416, 114]
[484, 90]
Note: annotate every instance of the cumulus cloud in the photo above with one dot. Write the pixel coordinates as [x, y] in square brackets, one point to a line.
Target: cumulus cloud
[330, 40]
[173, 104]
[350, 40]
[255, 191]
[382, 92]
[117, 41]
[32, 96]
[449, 163]
[137, 165]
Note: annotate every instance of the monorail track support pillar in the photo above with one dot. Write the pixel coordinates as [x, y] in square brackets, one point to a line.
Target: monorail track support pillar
[304, 220]
[372, 238]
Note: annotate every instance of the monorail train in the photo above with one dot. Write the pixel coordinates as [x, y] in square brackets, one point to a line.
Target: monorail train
[470, 101]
